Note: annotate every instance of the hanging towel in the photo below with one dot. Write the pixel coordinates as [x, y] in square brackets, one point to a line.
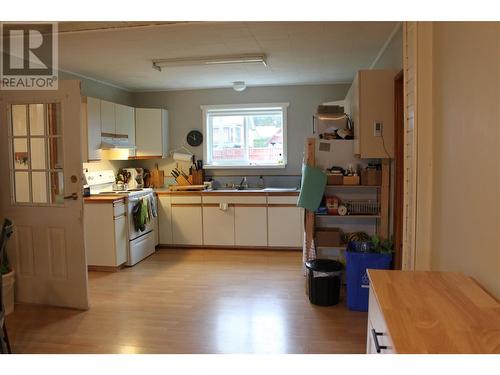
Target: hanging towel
[154, 208]
[140, 215]
[312, 187]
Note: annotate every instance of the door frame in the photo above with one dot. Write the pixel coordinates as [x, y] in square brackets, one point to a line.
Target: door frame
[398, 199]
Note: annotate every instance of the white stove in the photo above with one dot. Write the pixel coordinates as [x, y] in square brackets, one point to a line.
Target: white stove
[142, 243]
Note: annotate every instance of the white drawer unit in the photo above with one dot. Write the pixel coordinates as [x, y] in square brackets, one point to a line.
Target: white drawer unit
[186, 199]
[378, 340]
[285, 199]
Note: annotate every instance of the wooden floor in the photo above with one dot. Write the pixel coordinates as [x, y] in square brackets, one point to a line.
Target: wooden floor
[194, 301]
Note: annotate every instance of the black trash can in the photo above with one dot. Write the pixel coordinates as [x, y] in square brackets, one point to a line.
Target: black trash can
[325, 278]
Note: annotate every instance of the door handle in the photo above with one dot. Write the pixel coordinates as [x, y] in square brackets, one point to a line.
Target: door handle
[73, 196]
[375, 335]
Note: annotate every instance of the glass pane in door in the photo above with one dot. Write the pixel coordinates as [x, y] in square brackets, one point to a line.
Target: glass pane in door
[57, 187]
[38, 153]
[22, 187]
[21, 157]
[39, 184]
[19, 121]
[37, 119]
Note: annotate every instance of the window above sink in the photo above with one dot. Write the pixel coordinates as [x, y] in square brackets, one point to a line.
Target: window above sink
[245, 136]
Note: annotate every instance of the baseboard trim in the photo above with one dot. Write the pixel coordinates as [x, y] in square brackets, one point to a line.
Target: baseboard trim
[211, 247]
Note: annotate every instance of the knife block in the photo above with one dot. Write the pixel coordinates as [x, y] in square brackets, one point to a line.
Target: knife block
[197, 177]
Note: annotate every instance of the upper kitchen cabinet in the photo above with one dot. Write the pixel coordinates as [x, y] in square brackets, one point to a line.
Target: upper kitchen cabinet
[151, 132]
[125, 125]
[108, 123]
[370, 103]
[91, 122]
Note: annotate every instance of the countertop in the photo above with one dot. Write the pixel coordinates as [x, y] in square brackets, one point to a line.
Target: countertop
[269, 191]
[104, 198]
[437, 312]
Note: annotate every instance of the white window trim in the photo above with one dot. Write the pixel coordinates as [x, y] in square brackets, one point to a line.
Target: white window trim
[229, 107]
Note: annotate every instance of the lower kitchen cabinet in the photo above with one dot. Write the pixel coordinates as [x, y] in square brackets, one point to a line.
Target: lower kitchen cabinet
[250, 225]
[109, 221]
[285, 226]
[187, 223]
[165, 219]
[218, 225]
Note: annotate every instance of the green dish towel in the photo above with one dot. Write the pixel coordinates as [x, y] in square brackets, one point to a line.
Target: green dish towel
[312, 187]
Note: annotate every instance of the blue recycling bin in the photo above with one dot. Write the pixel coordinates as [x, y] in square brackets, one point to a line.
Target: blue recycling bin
[357, 279]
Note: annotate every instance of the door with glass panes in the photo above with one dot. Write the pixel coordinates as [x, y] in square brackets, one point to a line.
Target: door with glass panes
[41, 168]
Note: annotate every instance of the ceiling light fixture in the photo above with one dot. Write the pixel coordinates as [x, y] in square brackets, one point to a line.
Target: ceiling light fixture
[158, 64]
[239, 86]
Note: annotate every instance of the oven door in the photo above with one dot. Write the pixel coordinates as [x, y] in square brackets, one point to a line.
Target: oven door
[133, 232]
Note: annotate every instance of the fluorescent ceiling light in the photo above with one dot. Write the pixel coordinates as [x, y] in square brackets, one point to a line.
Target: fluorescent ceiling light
[212, 60]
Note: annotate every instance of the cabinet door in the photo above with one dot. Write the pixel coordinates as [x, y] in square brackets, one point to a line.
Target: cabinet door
[121, 239]
[285, 226]
[218, 226]
[93, 119]
[164, 219]
[108, 124]
[149, 132]
[187, 226]
[125, 123]
[250, 226]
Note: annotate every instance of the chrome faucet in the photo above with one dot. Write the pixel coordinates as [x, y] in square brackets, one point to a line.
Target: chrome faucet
[241, 186]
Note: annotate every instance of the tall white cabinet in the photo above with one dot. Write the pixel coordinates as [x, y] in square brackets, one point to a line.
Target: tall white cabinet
[91, 124]
[151, 132]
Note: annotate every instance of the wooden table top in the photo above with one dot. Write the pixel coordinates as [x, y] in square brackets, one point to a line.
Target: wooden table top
[437, 312]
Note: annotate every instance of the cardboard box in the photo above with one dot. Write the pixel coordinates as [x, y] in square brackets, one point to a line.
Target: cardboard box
[334, 179]
[371, 177]
[351, 180]
[328, 237]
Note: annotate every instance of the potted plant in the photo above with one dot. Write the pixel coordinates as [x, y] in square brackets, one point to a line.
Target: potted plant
[8, 278]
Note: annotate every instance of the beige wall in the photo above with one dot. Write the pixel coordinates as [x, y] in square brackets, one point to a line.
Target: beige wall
[185, 115]
[392, 57]
[466, 151]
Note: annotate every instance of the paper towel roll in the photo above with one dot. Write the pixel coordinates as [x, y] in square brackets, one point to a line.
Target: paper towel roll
[179, 156]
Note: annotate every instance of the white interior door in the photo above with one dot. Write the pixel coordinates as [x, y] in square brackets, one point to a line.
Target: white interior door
[40, 146]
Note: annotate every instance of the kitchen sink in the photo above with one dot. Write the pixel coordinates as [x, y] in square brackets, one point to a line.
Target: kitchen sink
[268, 189]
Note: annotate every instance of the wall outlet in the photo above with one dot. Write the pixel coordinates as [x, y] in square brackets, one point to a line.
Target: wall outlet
[377, 128]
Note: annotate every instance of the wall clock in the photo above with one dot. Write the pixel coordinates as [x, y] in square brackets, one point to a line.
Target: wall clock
[194, 138]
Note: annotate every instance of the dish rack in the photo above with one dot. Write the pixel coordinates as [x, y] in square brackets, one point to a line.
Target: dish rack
[362, 206]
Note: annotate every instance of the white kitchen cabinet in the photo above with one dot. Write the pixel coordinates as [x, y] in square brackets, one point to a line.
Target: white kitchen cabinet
[218, 225]
[187, 222]
[285, 222]
[250, 225]
[370, 100]
[125, 125]
[108, 124]
[108, 249]
[151, 132]
[377, 335]
[91, 124]
[165, 219]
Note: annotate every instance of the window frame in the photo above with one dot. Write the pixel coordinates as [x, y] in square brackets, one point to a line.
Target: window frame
[205, 109]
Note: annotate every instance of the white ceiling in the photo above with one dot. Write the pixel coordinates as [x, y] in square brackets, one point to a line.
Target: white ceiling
[298, 52]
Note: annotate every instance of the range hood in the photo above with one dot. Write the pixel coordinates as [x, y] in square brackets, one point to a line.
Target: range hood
[112, 141]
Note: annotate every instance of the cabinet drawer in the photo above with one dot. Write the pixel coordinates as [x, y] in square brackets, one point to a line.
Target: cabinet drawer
[376, 321]
[276, 199]
[119, 208]
[234, 198]
[186, 199]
